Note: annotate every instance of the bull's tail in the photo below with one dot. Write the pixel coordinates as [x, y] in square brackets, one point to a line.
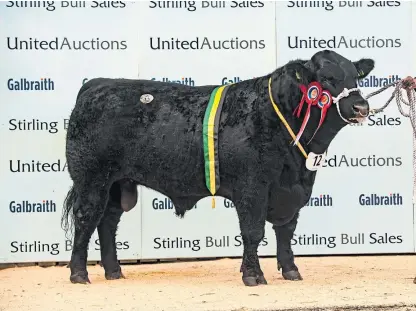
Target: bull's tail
[67, 219]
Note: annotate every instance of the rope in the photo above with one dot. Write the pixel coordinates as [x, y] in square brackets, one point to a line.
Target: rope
[408, 84]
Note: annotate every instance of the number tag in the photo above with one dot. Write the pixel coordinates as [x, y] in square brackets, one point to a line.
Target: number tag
[315, 161]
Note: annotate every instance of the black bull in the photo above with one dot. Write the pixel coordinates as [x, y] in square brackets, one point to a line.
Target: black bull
[115, 142]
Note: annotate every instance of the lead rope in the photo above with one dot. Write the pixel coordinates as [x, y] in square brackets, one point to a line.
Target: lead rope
[407, 84]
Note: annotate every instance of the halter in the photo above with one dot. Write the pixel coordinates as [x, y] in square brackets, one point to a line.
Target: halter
[345, 93]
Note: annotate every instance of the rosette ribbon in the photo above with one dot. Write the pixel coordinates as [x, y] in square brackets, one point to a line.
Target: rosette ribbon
[314, 95]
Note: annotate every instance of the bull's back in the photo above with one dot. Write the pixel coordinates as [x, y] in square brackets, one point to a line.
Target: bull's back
[117, 102]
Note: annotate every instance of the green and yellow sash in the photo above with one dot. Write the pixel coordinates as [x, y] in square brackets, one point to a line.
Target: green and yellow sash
[210, 138]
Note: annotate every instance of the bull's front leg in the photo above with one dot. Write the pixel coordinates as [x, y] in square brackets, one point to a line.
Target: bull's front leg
[285, 258]
[252, 218]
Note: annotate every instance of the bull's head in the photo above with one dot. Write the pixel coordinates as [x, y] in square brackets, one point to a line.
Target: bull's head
[331, 77]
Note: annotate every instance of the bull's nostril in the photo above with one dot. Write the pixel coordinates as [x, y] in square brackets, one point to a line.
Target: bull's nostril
[360, 110]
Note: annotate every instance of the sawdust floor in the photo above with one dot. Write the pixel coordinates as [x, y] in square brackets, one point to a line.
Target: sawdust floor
[329, 282]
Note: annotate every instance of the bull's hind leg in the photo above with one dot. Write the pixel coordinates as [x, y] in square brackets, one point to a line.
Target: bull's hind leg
[107, 234]
[285, 258]
[251, 212]
[88, 210]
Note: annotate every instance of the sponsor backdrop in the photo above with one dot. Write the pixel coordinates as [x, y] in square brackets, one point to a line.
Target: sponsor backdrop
[362, 199]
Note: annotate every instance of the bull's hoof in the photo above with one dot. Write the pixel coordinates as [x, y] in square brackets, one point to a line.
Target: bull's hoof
[261, 280]
[292, 275]
[254, 280]
[80, 278]
[115, 275]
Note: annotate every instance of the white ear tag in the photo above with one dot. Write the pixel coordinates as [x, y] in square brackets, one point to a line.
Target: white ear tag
[146, 98]
[315, 161]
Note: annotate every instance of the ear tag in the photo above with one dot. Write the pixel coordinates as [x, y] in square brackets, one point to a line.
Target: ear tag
[315, 161]
[146, 98]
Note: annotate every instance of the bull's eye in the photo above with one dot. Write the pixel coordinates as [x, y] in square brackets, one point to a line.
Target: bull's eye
[325, 80]
[330, 80]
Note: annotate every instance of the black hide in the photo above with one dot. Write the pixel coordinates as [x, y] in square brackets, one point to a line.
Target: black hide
[115, 142]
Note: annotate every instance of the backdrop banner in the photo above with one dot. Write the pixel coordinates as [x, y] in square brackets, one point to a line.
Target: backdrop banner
[362, 201]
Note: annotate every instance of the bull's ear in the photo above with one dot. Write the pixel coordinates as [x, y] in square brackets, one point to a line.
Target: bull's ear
[304, 73]
[364, 66]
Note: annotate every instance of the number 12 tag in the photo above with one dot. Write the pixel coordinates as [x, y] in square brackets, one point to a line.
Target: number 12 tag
[315, 161]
